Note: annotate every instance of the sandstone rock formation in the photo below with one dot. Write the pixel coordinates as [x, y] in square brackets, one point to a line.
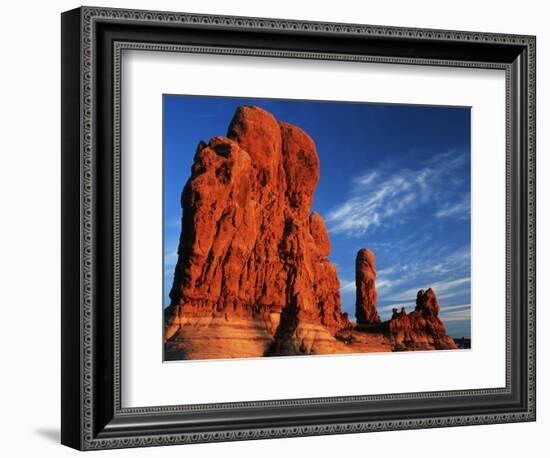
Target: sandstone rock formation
[253, 275]
[365, 286]
[421, 329]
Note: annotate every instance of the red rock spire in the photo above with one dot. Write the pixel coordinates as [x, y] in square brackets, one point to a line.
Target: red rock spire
[365, 284]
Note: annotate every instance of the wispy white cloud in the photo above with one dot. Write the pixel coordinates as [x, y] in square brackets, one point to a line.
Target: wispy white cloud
[459, 210]
[456, 313]
[170, 257]
[366, 179]
[385, 197]
[423, 268]
[347, 285]
[452, 308]
[443, 289]
[371, 207]
[385, 284]
[386, 271]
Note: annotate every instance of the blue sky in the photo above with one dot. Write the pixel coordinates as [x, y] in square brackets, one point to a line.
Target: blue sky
[394, 179]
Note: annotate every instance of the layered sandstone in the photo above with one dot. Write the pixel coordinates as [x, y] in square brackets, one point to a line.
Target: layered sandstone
[252, 257]
[365, 287]
[421, 329]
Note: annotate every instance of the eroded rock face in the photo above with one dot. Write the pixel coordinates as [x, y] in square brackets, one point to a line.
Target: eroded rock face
[251, 251]
[365, 284]
[421, 329]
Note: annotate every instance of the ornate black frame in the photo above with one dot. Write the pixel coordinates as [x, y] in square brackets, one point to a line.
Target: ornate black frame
[92, 42]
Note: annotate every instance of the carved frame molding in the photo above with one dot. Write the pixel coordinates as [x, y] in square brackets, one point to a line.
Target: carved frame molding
[108, 430]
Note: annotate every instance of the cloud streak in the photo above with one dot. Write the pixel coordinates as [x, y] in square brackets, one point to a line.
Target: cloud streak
[423, 270]
[443, 289]
[456, 313]
[459, 210]
[347, 285]
[383, 197]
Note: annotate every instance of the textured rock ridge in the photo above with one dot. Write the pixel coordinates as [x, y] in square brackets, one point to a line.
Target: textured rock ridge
[365, 286]
[251, 252]
[421, 329]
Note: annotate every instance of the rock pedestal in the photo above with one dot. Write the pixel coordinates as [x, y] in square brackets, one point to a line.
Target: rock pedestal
[421, 329]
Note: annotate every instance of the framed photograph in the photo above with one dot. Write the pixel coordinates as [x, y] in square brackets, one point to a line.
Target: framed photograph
[276, 228]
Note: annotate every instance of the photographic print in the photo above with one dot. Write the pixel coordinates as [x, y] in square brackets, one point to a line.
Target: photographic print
[298, 227]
